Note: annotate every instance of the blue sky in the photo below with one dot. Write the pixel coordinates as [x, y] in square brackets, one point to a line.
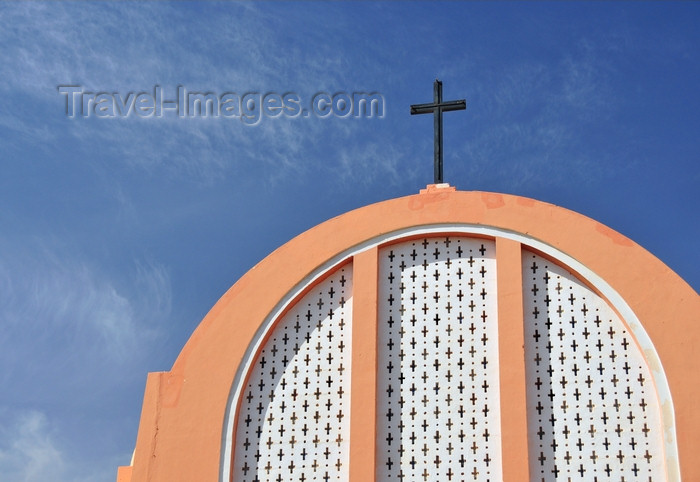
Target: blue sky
[118, 234]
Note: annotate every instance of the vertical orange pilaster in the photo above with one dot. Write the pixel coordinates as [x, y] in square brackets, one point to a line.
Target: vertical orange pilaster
[363, 396]
[144, 459]
[511, 347]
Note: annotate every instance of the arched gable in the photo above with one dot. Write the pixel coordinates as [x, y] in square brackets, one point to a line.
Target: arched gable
[189, 413]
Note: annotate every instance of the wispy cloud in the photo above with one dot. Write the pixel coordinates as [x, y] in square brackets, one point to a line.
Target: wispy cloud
[69, 310]
[374, 161]
[34, 449]
[28, 449]
[132, 47]
[70, 326]
[532, 120]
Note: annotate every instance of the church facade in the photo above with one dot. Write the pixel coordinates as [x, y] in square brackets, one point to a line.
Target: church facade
[447, 335]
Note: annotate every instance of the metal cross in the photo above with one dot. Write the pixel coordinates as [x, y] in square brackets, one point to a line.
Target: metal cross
[437, 108]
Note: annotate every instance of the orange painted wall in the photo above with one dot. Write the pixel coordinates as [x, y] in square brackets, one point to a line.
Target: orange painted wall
[180, 434]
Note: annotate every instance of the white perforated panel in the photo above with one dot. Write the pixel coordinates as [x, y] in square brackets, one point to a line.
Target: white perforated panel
[438, 395]
[294, 418]
[593, 413]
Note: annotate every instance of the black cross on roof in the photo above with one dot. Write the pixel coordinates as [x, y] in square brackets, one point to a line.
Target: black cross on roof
[437, 108]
